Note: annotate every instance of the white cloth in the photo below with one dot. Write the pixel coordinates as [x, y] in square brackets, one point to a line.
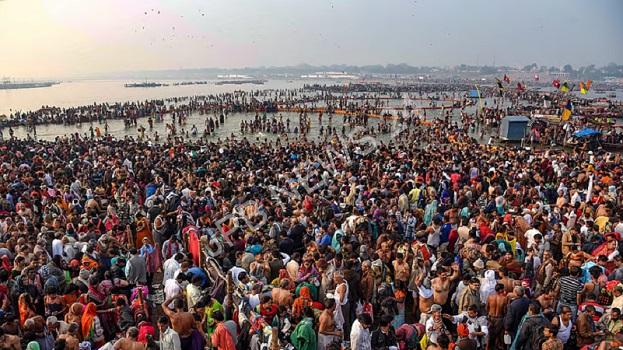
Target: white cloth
[170, 266]
[57, 247]
[235, 272]
[360, 338]
[530, 236]
[487, 287]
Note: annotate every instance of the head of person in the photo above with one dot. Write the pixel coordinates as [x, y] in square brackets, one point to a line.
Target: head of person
[338, 277]
[365, 320]
[163, 323]
[519, 291]
[384, 323]
[443, 341]
[499, 288]
[218, 316]
[474, 284]
[615, 313]
[534, 309]
[575, 271]
[550, 331]
[178, 304]
[472, 311]
[73, 328]
[243, 277]
[52, 323]
[565, 313]
[330, 305]
[435, 310]
[196, 281]
[132, 333]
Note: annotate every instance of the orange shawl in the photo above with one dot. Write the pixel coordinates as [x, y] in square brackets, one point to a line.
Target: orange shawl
[88, 317]
[301, 302]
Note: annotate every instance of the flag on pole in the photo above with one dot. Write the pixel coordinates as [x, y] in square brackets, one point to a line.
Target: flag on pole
[567, 111]
[583, 89]
[564, 87]
[507, 79]
[520, 87]
[500, 87]
[556, 83]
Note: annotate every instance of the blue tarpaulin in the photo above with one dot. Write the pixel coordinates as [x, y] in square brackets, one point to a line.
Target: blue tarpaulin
[587, 132]
[474, 94]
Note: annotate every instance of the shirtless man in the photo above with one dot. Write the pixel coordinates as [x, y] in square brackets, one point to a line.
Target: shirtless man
[401, 269]
[9, 342]
[496, 308]
[441, 284]
[327, 332]
[508, 282]
[425, 296]
[130, 342]
[181, 321]
[71, 337]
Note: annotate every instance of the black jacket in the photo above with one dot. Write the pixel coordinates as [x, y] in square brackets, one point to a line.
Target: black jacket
[516, 310]
[382, 341]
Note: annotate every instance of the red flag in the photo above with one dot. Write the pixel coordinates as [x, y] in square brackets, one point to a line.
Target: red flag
[556, 83]
[507, 79]
[520, 87]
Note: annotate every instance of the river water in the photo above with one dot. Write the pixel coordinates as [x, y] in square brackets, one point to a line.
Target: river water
[80, 93]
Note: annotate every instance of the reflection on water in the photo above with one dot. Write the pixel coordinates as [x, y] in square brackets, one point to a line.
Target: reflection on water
[81, 93]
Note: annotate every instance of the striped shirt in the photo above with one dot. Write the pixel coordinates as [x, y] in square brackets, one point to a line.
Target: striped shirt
[570, 287]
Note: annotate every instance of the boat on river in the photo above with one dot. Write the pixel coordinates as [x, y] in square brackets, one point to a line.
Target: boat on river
[7, 84]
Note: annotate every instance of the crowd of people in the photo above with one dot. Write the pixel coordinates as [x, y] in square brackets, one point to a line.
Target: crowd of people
[428, 240]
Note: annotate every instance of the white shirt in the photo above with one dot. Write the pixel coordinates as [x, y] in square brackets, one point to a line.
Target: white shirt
[360, 338]
[530, 236]
[473, 324]
[235, 272]
[169, 340]
[171, 289]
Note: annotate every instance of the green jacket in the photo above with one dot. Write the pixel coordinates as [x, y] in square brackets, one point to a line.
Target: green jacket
[304, 336]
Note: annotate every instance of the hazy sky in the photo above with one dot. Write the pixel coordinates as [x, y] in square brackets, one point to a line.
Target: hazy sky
[51, 38]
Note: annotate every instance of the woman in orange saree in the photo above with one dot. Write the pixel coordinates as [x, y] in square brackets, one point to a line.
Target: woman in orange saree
[142, 230]
[26, 308]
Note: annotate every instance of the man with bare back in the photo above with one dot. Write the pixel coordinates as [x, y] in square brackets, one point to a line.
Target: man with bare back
[508, 282]
[130, 342]
[496, 307]
[181, 321]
